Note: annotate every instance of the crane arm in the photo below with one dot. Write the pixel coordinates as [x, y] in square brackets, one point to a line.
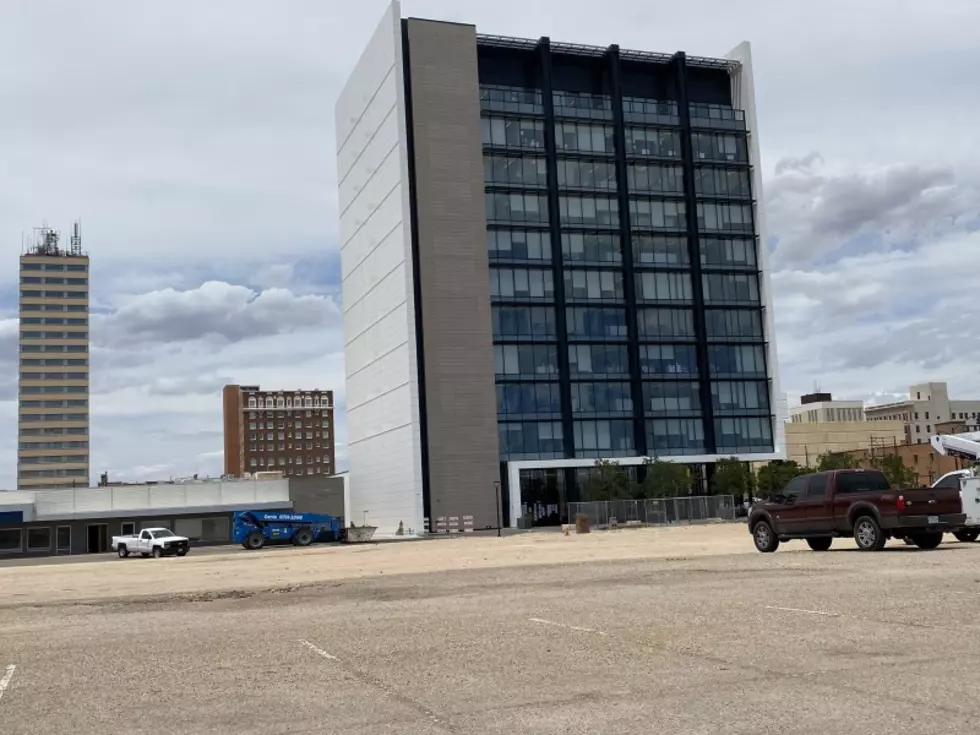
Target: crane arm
[966, 446]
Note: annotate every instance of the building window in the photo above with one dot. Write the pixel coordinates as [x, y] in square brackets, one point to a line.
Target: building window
[584, 138]
[735, 435]
[523, 322]
[521, 284]
[511, 99]
[672, 437]
[517, 401]
[658, 324]
[743, 397]
[38, 539]
[668, 360]
[583, 285]
[734, 324]
[724, 217]
[600, 361]
[604, 438]
[601, 399]
[666, 287]
[728, 252]
[657, 214]
[507, 132]
[522, 171]
[726, 147]
[252, 462]
[731, 288]
[584, 174]
[596, 323]
[520, 245]
[663, 250]
[652, 142]
[525, 361]
[591, 248]
[587, 211]
[516, 208]
[721, 182]
[655, 178]
[529, 440]
[671, 398]
[10, 540]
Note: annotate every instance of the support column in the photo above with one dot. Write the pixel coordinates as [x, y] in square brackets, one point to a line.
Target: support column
[679, 63]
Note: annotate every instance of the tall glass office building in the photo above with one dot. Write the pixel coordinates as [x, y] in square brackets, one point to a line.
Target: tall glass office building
[551, 255]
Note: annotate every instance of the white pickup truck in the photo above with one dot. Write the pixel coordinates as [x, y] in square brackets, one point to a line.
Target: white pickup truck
[154, 542]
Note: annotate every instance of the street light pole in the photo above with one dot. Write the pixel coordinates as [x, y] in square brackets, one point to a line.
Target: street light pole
[496, 494]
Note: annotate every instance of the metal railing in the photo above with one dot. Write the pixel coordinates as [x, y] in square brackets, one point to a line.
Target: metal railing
[655, 511]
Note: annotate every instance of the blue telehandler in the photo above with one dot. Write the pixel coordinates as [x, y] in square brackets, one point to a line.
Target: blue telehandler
[253, 529]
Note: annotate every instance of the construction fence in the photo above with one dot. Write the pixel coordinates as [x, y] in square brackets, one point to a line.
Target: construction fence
[655, 512]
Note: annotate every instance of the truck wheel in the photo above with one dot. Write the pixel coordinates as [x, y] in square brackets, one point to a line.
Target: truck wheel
[967, 537]
[820, 543]
[157, 552]
[928, 540]
[123, 551]
[303, 537]
[255, 540]
[868, 534]
[765, 539]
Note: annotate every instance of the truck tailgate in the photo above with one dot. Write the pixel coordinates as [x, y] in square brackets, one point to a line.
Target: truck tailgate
[931, 502]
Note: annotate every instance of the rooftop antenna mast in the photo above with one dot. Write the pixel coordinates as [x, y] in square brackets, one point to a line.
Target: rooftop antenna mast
[76, 238]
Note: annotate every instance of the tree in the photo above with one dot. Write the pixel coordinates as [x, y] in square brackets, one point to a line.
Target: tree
[733, 477]
[664, 479]
[898, 474]
[773, 477]
[607, 481]
[836, 461]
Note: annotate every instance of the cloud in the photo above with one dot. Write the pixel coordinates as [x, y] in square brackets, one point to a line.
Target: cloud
[216, 311]
[815, 214]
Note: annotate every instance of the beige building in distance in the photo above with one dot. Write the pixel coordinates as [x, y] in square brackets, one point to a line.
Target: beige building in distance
[819, 407]
[929, 411]
[53, 385]
[805, 442]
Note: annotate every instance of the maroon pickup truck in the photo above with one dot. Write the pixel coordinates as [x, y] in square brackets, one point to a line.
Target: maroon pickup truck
[822, 506]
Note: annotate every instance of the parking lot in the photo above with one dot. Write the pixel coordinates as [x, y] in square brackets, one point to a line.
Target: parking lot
[683, 630]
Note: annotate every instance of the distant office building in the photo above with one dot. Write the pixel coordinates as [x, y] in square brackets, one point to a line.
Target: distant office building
[288, 431]
[821, 408]
[806, 440]
[928, 411]
[53, 408]
[550, 255]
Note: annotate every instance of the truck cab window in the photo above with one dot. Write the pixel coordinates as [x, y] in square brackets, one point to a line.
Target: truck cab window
[795, 487]
[862, 482]
[817, 487]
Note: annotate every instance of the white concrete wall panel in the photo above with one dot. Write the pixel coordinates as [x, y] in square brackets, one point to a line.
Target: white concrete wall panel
[743, 97]
[384, 452]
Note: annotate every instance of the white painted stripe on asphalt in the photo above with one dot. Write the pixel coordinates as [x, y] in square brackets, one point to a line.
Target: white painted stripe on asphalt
[800, 610]
[319, 651]
[579, 628]
[5, 681]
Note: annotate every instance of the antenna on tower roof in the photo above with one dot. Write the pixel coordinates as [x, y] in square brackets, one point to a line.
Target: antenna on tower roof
[76, 238]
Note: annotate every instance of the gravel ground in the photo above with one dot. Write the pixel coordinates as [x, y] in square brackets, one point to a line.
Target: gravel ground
[680, 636]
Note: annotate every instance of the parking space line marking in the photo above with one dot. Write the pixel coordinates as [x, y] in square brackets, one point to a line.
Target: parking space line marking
[579, 628]
[319, 651]
[5, 681]
[800, 610]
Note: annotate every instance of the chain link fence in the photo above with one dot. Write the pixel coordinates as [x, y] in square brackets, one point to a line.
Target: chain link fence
[655, 512]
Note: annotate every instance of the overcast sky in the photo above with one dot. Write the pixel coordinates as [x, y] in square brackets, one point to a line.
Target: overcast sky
[195, 140]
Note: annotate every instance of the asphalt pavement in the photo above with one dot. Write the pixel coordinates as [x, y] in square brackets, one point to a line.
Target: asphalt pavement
[793, 642]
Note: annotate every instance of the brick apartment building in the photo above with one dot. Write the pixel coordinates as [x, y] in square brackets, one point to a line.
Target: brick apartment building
[289, 431]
